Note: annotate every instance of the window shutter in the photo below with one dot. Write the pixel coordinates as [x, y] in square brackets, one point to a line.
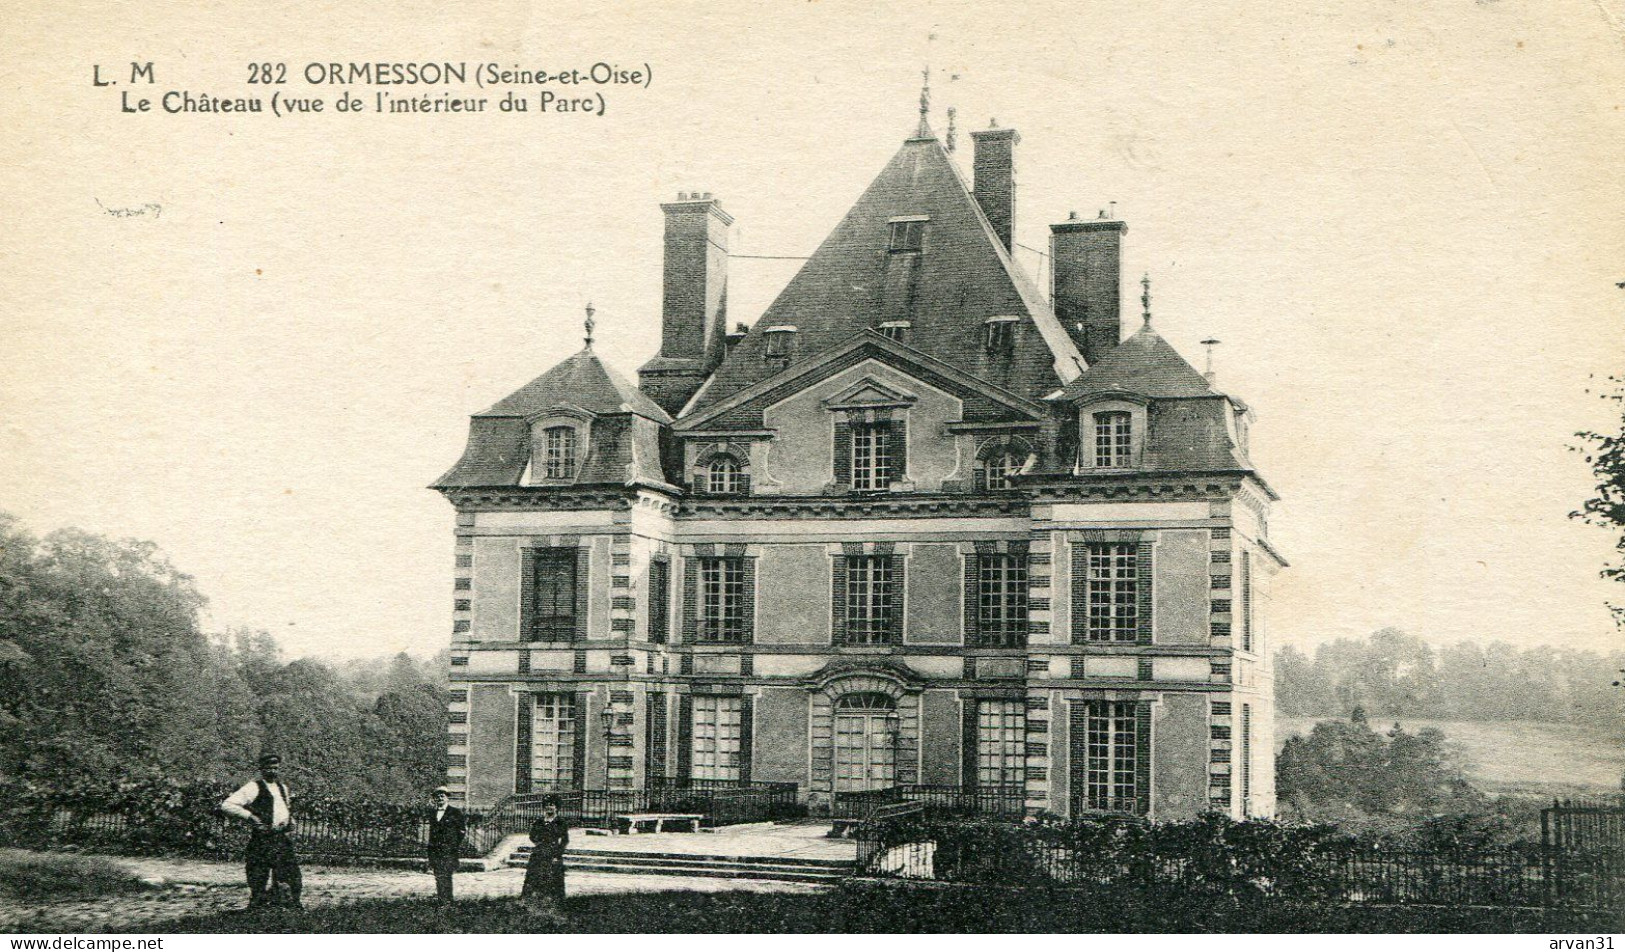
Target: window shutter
[897, 436]
[973, 619]
[899, 589]
[744, 484]
[1142, 561]
[837, 589]
[654, 738]
[979, 468]
[1080, 593]
[1142, 757]
[967, 745]
[746, 738]
[578, 769]
[1246, 600]
[527, 595]
[843, 453]
[691, 596]
[522, 744]
[583, 562]
[747, 600]
[685, 737]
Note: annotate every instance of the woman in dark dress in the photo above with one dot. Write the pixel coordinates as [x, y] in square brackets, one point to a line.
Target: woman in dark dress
[544, 877]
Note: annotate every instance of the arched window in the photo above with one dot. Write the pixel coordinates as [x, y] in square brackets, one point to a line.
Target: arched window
[559, 447]
[1113, 439]
[866, 701]
[1001, 468]
[723, 477]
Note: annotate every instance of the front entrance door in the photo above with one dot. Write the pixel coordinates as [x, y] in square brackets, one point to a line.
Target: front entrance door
[865, 743]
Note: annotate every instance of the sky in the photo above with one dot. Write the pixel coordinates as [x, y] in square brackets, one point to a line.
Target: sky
[1404, 221]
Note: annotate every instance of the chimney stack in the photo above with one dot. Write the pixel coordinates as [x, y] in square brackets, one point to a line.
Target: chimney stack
[1086, 259]
[994, 179]
[694, 311]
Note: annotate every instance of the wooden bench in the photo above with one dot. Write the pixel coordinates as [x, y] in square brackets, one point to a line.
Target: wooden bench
[660, 822]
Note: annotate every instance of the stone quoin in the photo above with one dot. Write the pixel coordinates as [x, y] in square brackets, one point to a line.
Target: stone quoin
[916, 525]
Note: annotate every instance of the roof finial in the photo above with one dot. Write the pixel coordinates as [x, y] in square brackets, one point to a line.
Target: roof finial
[951, 112]
[925, 104]
[589, 324]
[1145, 298]
[1210, 343]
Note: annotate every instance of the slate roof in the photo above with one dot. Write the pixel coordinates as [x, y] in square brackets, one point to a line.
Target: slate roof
[853, 282]
[1144, 364]
[584, 381]
[624, 442]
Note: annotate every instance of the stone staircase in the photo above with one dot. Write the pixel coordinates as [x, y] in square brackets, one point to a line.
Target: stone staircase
[774, 868]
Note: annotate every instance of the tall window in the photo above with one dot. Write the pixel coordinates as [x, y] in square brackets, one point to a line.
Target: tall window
[724, 477]
[722, 600]
[908, 235]
[1111, 753]
[552, 762]
[1001, 600]
[560, 448]
[718, 737]
[659, 600]
[1114, 591]
[1000, 470]
[1113, 439]
[1001, 744]
[553, 595]
[1246, 601]
[870, 600]
[1246, 758]
[999, 335]
[871, 456]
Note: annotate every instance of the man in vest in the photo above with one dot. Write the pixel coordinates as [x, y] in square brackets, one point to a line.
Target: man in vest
[264, 803]
[446, 826]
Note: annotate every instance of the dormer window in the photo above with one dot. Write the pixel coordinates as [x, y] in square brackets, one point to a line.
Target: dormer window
[1001, 469]
[1114, 439]
[724, 477]
[781, 342]
[559, 449]
[908, 234]
[999, 334]
[895, 330]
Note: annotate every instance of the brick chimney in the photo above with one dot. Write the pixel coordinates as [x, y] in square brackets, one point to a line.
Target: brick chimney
[1086, 258]
[994, 181]
[694, 311]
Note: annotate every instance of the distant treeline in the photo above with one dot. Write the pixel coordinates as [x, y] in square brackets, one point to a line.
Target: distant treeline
[1392, 674]
[106, 677]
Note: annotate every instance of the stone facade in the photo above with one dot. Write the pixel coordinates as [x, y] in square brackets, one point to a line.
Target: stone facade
[901, 535]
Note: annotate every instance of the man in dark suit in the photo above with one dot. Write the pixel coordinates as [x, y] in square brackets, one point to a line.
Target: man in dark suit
[445, 842]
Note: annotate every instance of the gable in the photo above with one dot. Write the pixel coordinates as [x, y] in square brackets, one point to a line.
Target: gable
[980, 402]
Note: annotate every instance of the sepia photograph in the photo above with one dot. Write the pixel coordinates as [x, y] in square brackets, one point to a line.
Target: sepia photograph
[674, 468]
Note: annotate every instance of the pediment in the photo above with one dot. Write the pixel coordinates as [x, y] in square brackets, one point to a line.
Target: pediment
[743, 409]
[870, 394]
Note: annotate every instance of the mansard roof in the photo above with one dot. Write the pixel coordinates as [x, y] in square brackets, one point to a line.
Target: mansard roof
[964, 276]
[623, 440]
[581, 380]
[1145, 364]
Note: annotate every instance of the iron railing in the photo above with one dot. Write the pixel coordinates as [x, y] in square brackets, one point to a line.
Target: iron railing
[937, 800]
[718, 802]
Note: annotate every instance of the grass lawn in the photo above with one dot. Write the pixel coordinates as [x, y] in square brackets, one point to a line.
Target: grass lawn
[1516, 756]
[27, 876]
[861, 908]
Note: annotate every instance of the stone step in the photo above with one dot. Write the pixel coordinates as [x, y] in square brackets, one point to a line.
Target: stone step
[798, 861]
[783, 869]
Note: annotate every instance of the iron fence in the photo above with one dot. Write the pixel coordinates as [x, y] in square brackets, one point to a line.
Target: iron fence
[717, 802]
[1090, 855]
[936, 800]
[1585, 825]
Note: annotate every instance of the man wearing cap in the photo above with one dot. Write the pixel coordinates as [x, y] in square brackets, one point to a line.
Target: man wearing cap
[445, 842]
[264, 803]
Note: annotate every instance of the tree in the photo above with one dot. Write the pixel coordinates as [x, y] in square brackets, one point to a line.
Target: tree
[1605, 452]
